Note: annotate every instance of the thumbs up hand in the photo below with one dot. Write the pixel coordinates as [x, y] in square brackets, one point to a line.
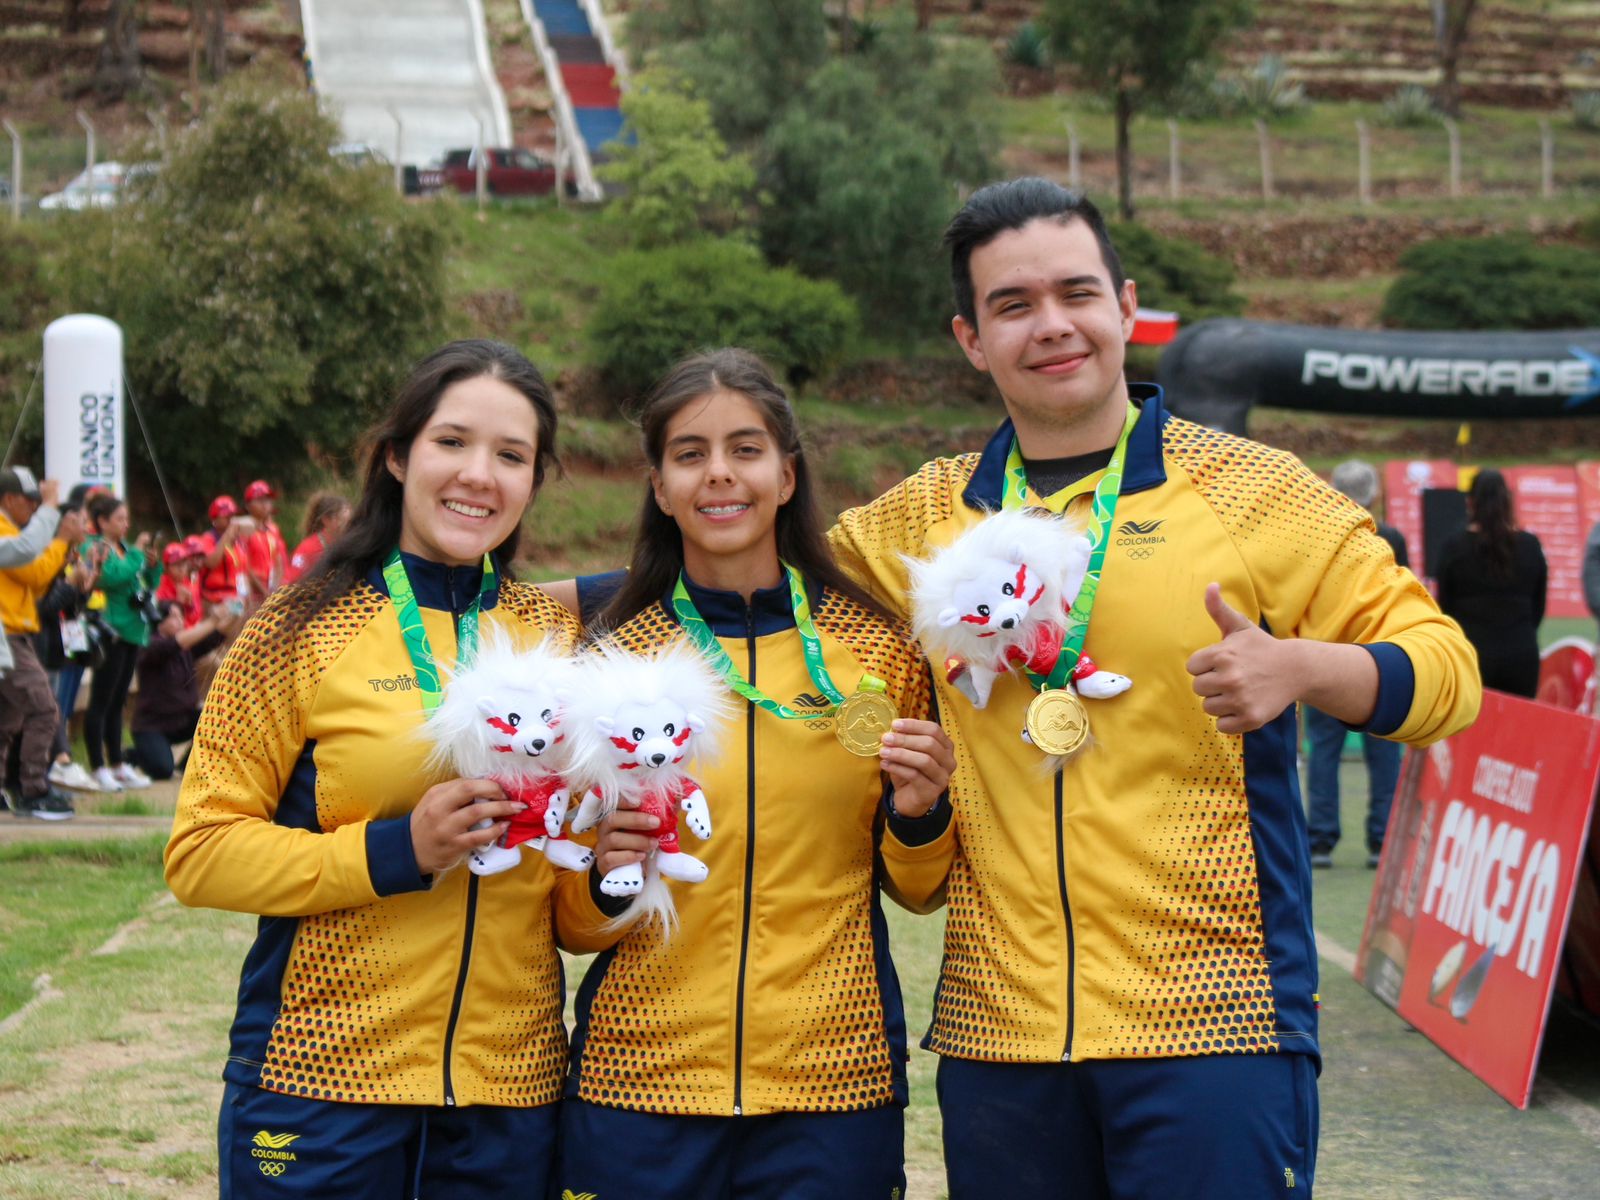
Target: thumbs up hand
[1247, 677]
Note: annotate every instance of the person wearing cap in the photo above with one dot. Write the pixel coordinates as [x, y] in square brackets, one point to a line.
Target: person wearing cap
[179, 584]
[1326, 735]
[265, 551]
[27, 704]
[223, 573]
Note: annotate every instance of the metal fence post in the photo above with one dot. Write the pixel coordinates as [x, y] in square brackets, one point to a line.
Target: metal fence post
[1364, 163]
[1547, 160]
[88, 159]
[1453, 132]
[16, 169]
[1265, 142]
[399, 150]
[1074, 163]
[483, 168]
[1174, 184]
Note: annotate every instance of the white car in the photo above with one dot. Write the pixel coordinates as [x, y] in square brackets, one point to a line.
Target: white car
[100, 187]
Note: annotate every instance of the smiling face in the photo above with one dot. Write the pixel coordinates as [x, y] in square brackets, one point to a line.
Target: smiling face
[1051, 331]
[723, 478]
[469, 474]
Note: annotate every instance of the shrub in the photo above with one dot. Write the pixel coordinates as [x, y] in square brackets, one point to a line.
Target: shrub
[1494, 283]
[1267, 90]
[658, 305]
[1174, 273]
[1410, 106]
[1586, 111]
[1028, 47]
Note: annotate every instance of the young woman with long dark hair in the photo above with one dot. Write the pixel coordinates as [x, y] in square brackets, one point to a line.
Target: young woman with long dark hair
[327, 513]
[124, 582]
[399, 1024]
[1492, 580]
[761, 1051]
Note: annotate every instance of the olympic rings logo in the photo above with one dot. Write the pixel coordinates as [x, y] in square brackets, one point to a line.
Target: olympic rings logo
[272, 1169]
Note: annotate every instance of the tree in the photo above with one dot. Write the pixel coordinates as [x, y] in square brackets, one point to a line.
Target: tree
[271, 296]
[1139, 52]
[678, 179]
[118, 69]
[1450, 21]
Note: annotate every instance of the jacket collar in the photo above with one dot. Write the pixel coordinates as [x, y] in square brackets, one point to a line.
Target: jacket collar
[769, 610]
[448, 589]
[1144, 468]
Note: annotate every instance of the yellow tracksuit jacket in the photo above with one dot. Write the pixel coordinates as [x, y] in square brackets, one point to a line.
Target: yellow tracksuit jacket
[367, 982]
[1153, 898]
[776, 994]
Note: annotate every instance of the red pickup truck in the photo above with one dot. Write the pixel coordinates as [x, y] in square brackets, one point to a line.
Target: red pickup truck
[513, 172]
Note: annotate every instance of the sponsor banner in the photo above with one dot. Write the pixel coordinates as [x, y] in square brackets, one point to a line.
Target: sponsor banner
[1404, 481]
[1473, 895]
[1547, 505]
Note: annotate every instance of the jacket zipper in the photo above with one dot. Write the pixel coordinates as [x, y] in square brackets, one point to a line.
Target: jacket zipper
[1066, 912]
[749, 863]
[472, 916]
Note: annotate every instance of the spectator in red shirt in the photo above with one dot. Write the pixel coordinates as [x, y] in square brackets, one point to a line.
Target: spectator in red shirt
[223, 576]
[327, 513]
[180, 583]
[266, 553]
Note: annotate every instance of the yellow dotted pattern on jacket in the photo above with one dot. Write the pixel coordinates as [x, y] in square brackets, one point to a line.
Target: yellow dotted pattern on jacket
[367, 989]
[661, 1027]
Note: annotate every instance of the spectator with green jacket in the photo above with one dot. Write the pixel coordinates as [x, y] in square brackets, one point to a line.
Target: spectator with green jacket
[124, 583]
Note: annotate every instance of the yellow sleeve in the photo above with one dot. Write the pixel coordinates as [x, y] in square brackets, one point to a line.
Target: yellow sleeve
[580, 921]
[225, 851]
[914, 869]
[41, 572]
[868, 541]
[1321, 571]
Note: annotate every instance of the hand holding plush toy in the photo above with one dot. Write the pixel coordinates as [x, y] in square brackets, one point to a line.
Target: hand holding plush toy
[501, 719]
[998, 597]
[636, 721]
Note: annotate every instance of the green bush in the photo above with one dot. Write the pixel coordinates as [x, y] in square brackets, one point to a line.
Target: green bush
[658, 305]
[1586, 111]
[1494, 283]
[1175, 274]
[1028, 47]
[1409, 107]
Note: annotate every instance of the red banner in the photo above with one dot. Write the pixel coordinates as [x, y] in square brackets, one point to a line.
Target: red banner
[1476, 885]
[1404, 481]
[1547, 506]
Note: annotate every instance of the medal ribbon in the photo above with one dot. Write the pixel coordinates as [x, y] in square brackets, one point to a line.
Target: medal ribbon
[700, 633]
[1103, 509]
[416, 637]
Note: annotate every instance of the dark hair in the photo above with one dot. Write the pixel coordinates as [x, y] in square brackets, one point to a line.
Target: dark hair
[658, 544]
[1489, 501]
[999, 207]
[100, 508]
[167, 607]
[323, 505]
[374, 528]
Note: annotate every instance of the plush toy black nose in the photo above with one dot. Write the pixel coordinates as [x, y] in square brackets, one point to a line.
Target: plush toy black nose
[538, 745]
[657, 759]
[1008, 623]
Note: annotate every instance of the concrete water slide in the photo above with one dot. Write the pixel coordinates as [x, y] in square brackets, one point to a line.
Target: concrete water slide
[424, 63]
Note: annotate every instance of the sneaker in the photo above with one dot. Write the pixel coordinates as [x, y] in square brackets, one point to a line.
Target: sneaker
[1321, 860]
[72, 775]
[10, 803]
[107, 780]
[131, 777]
[52, 806]
[1374, 857]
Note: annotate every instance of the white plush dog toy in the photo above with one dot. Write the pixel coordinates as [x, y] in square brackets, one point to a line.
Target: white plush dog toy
[998, 596]
[635, 721]
[501, 719]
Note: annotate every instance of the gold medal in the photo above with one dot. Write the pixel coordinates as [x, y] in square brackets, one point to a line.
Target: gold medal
[862, 721]
[1057, 722]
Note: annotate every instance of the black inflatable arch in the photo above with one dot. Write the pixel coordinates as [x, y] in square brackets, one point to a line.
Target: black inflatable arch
[1214, 372]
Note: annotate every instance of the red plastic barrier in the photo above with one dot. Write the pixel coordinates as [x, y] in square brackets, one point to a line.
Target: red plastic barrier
[591, 85]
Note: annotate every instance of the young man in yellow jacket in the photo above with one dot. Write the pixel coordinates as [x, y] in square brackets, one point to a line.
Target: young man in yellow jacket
[1127, 1003]
[27, 704]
